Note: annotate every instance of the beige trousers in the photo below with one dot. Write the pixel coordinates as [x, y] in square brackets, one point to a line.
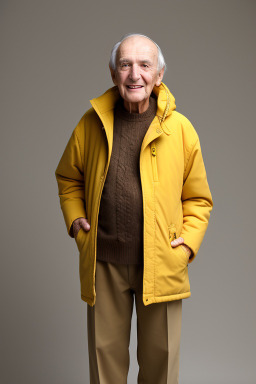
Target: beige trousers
[109, 327]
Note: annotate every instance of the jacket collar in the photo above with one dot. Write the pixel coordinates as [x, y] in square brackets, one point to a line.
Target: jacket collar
[165, 103]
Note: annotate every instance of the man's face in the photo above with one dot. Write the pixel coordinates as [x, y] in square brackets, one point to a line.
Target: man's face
[136, 72]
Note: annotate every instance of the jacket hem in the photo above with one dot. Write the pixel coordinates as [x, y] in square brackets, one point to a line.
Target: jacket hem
[146, 301]
[161, 299]
[88, 300]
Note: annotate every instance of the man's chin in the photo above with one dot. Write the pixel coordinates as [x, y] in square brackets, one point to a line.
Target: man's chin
[134, 99]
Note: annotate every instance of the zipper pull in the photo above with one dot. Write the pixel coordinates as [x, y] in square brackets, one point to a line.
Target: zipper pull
[172, 233]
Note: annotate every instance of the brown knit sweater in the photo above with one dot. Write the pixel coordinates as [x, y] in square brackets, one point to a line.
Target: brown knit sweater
[120, 223]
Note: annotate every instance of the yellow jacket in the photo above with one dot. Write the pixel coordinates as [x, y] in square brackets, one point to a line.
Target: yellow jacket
[176, 197]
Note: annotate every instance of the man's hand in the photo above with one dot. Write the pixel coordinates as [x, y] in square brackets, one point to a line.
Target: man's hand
[81, 222]
[180, 241]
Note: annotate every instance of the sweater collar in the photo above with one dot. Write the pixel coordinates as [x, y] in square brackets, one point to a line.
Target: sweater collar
[123, 114]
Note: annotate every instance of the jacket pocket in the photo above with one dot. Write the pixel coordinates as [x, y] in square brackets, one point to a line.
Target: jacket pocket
[154, 161]
[174, 235]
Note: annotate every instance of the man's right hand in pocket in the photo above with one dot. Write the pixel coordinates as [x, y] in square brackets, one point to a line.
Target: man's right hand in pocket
[82, 223]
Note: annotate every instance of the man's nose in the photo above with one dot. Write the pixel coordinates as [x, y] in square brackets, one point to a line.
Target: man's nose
[134, 73]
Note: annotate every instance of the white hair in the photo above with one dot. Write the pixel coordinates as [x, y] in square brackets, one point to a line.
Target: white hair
[112, 61]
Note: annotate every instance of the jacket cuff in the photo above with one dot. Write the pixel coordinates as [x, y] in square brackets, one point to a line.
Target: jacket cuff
[192, 252]
[190, 242]
[72, 210]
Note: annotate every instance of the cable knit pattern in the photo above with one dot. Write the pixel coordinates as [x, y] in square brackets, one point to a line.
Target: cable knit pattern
[120, 224]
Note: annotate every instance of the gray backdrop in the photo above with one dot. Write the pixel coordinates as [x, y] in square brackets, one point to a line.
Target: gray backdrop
[54, 59]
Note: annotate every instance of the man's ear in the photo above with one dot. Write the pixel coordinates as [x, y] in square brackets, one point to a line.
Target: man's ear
[113, 74]
[160, 77]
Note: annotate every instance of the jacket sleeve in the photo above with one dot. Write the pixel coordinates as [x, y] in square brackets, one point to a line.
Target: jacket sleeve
[196, 200]
[70, 178]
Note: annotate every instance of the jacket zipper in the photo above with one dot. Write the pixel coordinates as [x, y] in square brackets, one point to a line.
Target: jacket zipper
[154, 161]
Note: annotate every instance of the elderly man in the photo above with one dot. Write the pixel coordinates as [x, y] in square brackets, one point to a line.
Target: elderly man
[134, 194]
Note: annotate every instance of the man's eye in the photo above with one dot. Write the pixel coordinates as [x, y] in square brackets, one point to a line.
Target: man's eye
[124, 65]
[145, 65]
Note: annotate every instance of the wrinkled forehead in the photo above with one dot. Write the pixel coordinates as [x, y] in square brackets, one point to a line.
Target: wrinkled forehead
[137, 49]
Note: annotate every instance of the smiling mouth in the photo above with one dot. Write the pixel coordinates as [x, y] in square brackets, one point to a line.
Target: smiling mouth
[134, 86]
